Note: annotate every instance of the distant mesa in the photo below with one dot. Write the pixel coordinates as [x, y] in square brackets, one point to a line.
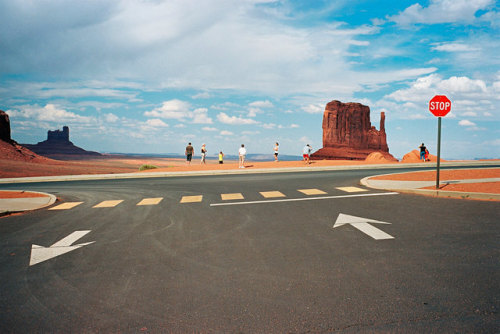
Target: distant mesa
[349, 135]
[58, 143]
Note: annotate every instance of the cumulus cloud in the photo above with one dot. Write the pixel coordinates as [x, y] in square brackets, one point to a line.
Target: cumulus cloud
[200, 116]
[465, 122]
[175, 109]
[111, 118]
[157, 123]
[314, 109]
[234, 120]
[262, 104]
[469, 97]
[454, 47]
[49, 113]
[178, 44]
[226, 133]
[441, 11]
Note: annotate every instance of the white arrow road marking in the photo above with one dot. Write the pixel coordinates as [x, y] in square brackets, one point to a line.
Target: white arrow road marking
[40, 253]
[362, 225]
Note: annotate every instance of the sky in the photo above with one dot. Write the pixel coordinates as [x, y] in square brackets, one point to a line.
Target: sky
[149, 76]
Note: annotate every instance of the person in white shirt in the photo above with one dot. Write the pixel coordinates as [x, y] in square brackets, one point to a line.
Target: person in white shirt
[306, 152]
[242, 152]
[276, 148]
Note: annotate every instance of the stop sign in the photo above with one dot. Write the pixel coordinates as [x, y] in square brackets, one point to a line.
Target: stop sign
[439, 105]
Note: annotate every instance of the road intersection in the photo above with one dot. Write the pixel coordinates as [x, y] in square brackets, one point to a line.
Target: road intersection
[313, 258]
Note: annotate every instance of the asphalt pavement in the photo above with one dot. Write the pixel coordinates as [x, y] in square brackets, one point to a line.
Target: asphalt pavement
[274, 253]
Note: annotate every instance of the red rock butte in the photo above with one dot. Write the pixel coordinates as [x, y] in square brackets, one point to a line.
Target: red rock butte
[349, 135]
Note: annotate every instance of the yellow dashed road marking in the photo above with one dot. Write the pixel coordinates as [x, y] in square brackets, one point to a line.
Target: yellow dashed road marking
[351, 189]
[150, 201]
[271, 194]
[191, 199]
[66, 206]
[108, 204]
[312, 191]
[226, 197]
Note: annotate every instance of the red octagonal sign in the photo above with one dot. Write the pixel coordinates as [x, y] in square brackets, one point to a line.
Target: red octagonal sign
[439, 105]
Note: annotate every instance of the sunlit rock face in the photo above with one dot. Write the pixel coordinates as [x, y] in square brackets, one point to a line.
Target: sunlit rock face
[349, 135]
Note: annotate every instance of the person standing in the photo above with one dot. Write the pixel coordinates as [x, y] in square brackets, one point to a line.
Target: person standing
[276, 149]
[221, 158]
[306, 152]
[242, 152]
[422, 152]
[203, 154]
[189, 153]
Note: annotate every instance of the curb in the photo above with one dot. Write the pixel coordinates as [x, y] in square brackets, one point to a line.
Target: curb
[26, 204]
[434, 193]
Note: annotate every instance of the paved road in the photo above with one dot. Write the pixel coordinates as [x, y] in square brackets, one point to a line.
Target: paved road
[265, 264]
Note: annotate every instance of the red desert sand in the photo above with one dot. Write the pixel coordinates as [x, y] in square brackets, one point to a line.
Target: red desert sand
[17, 161]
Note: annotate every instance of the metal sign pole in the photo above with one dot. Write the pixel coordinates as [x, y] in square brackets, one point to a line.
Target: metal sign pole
[438, 153]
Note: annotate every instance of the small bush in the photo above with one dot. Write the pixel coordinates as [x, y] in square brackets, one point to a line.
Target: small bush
[144, 167]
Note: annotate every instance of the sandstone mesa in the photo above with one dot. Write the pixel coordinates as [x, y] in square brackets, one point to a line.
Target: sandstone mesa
[349, 135]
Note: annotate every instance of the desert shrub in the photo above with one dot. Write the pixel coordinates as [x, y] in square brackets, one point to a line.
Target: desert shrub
[144, 167]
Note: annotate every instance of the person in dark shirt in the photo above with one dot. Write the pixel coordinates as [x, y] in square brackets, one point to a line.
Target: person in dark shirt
[422, 151]
[189, 153]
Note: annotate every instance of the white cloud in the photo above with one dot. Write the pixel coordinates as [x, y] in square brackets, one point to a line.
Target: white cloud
[252, 112]
[469, 97]
[261, 104]
[314, 109]
[269, 126]
[111, 118]
[233, 120]
[206, 128]
[454, 47]
[200, 116]
[294, 126]
[203, 95]
[49, 113]
[462, 84]
[157, 123]
[226, 133]
[175, 109]
[181, 44]
[465, 122]
[441, 11]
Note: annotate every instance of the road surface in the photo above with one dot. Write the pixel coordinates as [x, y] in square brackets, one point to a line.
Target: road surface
[249, 253]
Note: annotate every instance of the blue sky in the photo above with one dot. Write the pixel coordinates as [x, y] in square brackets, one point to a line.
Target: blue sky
[149, 76]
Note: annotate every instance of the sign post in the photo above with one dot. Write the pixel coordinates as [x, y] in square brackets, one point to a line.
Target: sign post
[439, 106]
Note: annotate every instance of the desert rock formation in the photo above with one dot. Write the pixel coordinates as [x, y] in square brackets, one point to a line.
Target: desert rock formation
[9, 149]
[4, 126]
[349, 135]
[58, 143]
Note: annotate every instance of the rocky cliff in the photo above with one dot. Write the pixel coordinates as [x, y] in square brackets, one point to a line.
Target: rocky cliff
[9, 149]
[349, 135]
[4, 126]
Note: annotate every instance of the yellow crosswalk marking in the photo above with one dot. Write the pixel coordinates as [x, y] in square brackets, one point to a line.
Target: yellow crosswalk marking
[150, 201]
[66, 206]
[351, 189]
[271, 194]
[108, 204]
[191, 199]
[226, 197]
[311, 191]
